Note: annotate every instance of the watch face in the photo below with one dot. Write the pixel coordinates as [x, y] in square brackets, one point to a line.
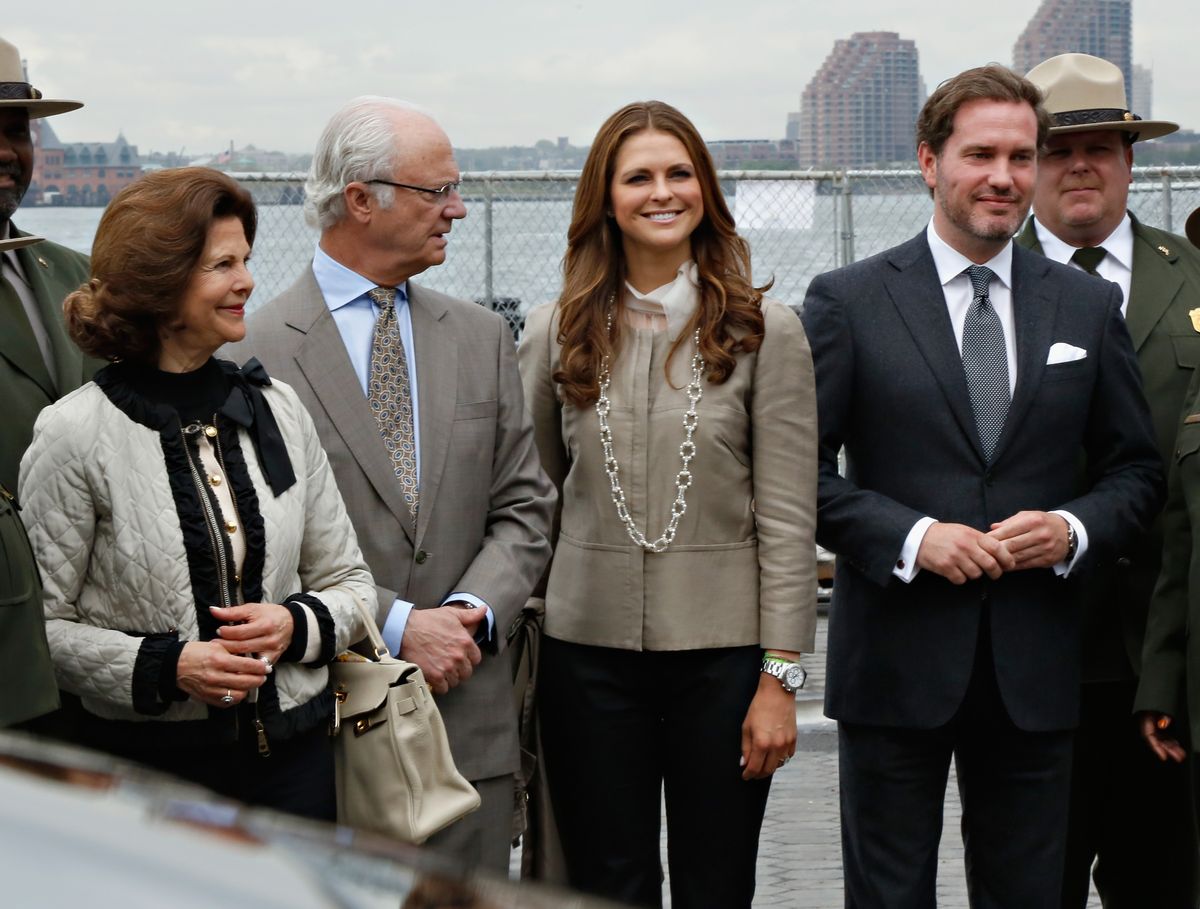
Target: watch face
[794, 676]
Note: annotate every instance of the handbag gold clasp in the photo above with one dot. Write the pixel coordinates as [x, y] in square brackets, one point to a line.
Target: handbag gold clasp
[363, 725]
[339, 698]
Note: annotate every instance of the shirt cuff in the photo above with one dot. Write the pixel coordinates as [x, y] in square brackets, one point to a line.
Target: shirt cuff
[484, 634]
[1064, 568]
[393, 628]
[906, 564]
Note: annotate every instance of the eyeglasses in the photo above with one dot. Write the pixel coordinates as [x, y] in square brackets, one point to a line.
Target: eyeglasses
[441, 194]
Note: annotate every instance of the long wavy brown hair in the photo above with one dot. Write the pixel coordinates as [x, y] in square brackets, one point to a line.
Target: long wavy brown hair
[729, 316]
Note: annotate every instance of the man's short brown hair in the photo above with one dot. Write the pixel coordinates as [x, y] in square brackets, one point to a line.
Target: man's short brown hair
[993, 82]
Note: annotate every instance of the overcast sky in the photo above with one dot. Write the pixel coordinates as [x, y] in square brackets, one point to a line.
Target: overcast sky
[197, 75]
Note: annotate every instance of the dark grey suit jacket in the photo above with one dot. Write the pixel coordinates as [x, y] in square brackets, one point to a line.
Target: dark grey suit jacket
[891, 389]
[485, 504]
[1164, 289]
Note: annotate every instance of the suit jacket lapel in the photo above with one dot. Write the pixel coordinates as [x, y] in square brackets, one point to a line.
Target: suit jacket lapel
[437, 393]
[18, 344]
[1154, 286]
[1034, 311]
[917, 294]
[1028, 237]
[50, 291]
[323, 359]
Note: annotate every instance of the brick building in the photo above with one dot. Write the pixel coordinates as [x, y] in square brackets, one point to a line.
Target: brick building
[860, 108]
[78, 173]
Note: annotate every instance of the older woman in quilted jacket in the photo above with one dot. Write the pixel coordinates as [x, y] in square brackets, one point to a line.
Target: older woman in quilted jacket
[199, 567]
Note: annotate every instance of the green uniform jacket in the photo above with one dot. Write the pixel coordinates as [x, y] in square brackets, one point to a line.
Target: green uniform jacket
[27, 687]
[26, 386]
[1165, 287]
[1170, 647]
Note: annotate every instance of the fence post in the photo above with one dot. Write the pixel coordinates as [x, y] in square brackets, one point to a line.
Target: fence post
[488, 290]
[847, 204]
[1168, 220]
[837, 220]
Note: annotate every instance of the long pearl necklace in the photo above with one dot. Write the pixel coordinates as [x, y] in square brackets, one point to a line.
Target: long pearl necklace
[687, 451]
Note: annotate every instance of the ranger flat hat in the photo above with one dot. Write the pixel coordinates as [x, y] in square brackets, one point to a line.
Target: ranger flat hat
[1192, 228]
[16, 92]
[18, 242]
[1083, 93]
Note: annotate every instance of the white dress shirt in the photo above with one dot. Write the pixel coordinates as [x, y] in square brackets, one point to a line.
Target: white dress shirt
[1116, 266]
[355, 313]
[959, 294]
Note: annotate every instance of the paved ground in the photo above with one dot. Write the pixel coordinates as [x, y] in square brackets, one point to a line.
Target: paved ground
[800, 862]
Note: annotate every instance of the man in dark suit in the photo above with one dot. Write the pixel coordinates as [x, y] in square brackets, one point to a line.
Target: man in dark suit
[1129, 811]
[964, 376]
[418, 403]
[38, 365]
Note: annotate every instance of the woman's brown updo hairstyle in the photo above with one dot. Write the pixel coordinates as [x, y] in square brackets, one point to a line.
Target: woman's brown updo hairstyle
[149, 242]
[729, 315]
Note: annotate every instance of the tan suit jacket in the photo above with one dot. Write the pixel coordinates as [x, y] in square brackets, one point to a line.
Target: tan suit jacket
[742, 569]
[485, 505]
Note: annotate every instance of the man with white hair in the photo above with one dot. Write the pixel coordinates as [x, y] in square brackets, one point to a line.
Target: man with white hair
[418, 402]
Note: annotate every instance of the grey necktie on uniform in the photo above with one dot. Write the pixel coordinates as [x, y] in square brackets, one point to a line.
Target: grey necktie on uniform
[390, 394]
[1088, 257]
[985, 361]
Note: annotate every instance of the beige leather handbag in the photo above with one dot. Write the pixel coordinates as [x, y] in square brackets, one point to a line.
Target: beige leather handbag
[395, 775]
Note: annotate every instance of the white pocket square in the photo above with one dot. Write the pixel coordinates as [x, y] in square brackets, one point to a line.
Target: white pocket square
[1062, 352]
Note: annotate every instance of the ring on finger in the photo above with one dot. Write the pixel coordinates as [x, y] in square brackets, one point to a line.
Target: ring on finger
[267, 662]
[228, 698]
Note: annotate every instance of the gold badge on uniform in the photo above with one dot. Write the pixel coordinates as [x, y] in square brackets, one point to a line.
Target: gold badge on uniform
[1194, 315]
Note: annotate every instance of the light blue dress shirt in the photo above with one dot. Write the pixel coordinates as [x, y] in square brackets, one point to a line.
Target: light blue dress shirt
[355, 314]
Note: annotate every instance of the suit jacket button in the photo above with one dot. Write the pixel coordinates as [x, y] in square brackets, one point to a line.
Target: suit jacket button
[1124, 562]
[421, 556]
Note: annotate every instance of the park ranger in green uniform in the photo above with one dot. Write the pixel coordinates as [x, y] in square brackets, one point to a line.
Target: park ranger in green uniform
[1129, 823]
[27, 687]
[38, 365]
[38, 362]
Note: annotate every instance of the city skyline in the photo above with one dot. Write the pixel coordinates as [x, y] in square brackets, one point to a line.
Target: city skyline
[271, 74]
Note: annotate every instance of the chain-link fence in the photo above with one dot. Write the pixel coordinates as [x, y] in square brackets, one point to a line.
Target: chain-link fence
[508, 251]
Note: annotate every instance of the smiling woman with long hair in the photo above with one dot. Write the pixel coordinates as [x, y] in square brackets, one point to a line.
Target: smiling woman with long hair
[673, 407]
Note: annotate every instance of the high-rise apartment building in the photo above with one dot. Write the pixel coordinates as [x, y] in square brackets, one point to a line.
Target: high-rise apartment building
[860, 108]
[1102, 28]
[1141, 102]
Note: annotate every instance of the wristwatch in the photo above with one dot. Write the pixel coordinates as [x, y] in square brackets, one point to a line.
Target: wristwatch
[791, 674]
[1072, 542]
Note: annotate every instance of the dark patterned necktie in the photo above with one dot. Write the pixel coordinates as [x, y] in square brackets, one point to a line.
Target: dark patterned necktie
[390, 395]
[1088, 258]
[985, 361]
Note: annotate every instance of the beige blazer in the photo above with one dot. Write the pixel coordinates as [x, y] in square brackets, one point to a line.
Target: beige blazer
[485, 506]
[742, 569]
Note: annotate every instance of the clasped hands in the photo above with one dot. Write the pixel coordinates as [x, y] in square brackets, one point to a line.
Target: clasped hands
[1028, 539]
[235, 662]
[442, 643]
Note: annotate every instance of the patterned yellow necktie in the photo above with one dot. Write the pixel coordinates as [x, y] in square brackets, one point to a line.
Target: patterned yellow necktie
[390, 396]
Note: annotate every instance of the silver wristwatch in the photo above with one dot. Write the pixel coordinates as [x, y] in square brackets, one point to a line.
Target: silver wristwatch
[791, 674]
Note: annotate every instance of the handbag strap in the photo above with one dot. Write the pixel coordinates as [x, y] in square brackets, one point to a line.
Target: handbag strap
[378, 646]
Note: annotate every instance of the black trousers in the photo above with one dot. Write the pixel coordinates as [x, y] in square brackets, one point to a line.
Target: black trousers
[1130, 812]
[1014, 787]
[297, 777]
[619, 729]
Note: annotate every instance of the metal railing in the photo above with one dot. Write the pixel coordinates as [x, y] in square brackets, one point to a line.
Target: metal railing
[508, 252]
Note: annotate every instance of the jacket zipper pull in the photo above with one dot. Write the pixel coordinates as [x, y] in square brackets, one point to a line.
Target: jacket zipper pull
[264, 749]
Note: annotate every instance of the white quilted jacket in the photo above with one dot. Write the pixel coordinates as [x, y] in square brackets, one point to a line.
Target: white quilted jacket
[98, 503]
